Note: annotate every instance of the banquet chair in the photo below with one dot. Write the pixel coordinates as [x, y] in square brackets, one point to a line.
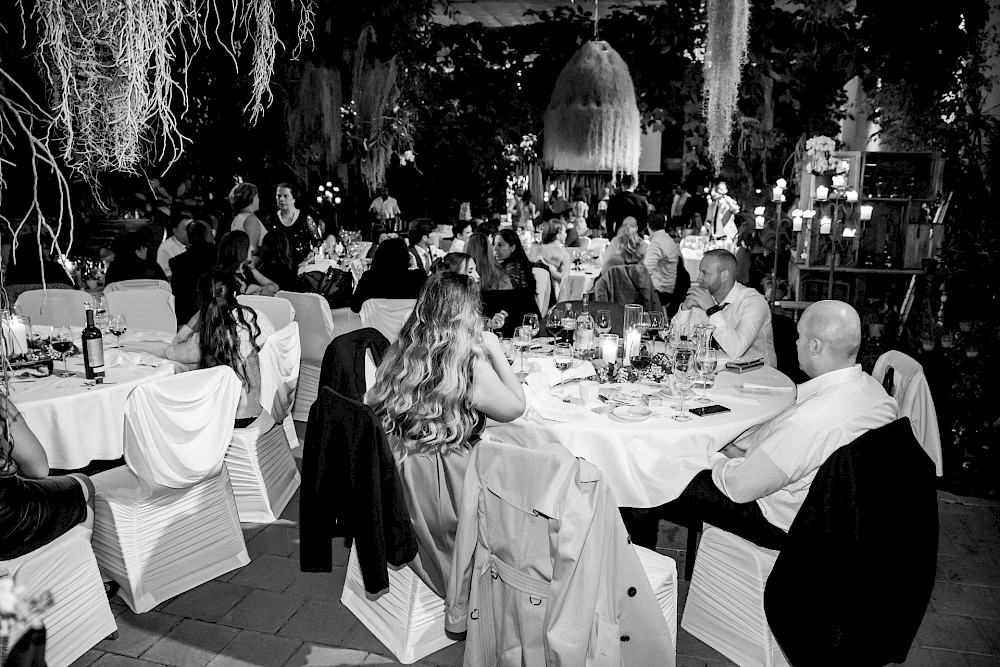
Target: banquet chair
[386, 315]
[617, 313]
[167, 521]
[911, 391]
[543, 289]
[316, 331]
[584, 242]
[598, 244]
[13, 290]
[55, 307]
[137, 283]
[259, 460]
[145, 308]
[279, 310]
[345, 320]
[80, 616]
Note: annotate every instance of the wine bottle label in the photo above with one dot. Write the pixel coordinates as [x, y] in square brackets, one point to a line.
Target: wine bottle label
[95, 354]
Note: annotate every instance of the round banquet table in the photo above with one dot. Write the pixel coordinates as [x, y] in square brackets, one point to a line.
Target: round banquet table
[77, 422]
[649, 463]
[692, 261]
[580, 281]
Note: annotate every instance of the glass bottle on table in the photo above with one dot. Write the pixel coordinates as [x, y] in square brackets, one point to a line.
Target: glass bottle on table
[92, 342]
[583, 337]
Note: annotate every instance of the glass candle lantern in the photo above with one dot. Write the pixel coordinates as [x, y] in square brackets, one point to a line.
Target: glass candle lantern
[609, 348]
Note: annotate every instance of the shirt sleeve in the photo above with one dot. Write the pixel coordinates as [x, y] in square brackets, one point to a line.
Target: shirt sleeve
[744, 480]
[737, 327]
[651, 260]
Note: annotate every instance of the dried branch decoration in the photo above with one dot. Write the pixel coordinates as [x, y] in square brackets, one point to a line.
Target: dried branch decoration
[725, 54]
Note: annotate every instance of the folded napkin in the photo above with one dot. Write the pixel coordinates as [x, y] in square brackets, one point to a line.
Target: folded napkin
[553, 409]
[116, 358]
[548, 369]
[728, 396]
[769, 388]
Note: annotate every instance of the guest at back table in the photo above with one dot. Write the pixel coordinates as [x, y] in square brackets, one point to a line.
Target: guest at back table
[509, 252]
[389, 277]
[551, 252]
[461, 232]
[132, 261]
[245, 201]
[235, 257]
[457, 262]
[275, 261]
[224, 333]
[187, 268]
[419, 234]
[433, 391]
[491, 274]
[626, 248]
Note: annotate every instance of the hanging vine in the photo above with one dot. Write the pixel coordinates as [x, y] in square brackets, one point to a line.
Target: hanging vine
[725, 54]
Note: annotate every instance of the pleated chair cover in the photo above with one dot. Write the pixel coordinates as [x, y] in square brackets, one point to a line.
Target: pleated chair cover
[662, 574]
[280, 358]
[386, 315]
[279, 311]
[312, 312]
[543, 289]
[725, 603]
[137, 283]
[259, 460]
[408, 619]
[55, 307]
[345, 320]
[145, 308]
[167, 522]
[80, 616]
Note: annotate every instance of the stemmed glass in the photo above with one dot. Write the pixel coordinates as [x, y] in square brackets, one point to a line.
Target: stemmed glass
[563, 360]
[603, 321]
[683, 379]
[569, 323]
[117, 326]
[522, 341]
[61, 340]
[507, 347]
[531, 321]
[554, 324]
[655, 326]
[705, 362]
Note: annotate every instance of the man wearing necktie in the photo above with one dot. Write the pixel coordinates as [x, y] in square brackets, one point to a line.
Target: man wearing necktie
[420, 244]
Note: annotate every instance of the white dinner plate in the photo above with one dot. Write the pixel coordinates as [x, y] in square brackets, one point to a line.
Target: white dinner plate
[628, 413]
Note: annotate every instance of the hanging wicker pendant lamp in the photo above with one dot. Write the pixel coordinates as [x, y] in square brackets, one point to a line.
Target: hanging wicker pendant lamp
[592, 122]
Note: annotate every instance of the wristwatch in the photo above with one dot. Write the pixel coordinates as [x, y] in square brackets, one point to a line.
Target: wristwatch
[714, 309]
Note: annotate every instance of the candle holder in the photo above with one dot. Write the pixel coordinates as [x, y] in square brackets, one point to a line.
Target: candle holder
[609, 348]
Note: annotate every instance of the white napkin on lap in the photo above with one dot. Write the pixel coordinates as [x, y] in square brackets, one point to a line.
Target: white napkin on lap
[548, 369]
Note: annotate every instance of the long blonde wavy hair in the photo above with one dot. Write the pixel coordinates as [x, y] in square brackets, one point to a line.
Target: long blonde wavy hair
[423, 389]
[629, 241]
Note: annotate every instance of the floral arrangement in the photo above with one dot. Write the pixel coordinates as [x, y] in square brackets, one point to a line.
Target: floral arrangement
[658, 369]
[820, 159]
[18, 614]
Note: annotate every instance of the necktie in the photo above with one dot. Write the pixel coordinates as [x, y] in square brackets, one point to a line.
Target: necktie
[715, 343]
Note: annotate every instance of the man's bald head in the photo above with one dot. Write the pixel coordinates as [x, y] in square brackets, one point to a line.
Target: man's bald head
[829, 337]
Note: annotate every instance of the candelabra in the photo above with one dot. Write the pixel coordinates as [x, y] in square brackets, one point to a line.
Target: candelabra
[842, 204]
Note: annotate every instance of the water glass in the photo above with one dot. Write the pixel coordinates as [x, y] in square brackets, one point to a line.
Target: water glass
[522, 341]
[706, 361]
[603, 321]
[683, 374]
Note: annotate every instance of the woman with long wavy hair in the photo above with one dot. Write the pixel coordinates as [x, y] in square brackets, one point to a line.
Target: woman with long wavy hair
[433, 391]
[235, 255]
[491, 274]
[627, 247]
[224, 333]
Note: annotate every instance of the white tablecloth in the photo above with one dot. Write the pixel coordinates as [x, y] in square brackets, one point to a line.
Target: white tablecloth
[77, 423]
[580, 281]
[651, 462]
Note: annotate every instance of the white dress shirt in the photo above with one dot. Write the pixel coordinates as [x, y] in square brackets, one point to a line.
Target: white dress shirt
[169, 248]
[661, 261]
[385, 208]
[743, 326]
[783, 455]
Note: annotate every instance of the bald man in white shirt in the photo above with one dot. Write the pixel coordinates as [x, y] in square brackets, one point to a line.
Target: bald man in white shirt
[755, 485]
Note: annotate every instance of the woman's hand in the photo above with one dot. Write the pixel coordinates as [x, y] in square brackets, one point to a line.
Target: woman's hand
[498, 320]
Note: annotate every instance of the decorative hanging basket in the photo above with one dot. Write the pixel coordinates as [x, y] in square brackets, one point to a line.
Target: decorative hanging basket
[592, 122]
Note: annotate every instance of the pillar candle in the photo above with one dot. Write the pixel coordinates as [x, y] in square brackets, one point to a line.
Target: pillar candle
[609, 348]
[631, 343]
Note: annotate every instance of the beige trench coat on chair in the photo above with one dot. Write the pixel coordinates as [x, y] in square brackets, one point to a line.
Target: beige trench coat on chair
[544, 572]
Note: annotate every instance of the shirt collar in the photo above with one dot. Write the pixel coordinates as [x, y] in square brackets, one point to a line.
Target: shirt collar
[827, 380]
[733, 293]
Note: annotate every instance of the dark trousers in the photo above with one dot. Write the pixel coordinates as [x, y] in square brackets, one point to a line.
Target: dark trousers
[702, 501]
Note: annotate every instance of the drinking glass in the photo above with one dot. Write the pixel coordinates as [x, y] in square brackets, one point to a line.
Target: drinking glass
[563, 360]
[655, 325]
[555, 323]
[531, 321]
[61, 340]
[683, 379]
[641, 357]
[705, 362]
[117, 326]
[569, 323]
[522, 341]
[603, 321]
[507, 346]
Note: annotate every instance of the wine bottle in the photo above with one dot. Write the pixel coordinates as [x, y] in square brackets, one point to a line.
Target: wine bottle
[583, 338]
[93, 350]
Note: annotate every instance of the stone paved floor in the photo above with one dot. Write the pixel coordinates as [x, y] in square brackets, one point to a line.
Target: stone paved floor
[271, 614]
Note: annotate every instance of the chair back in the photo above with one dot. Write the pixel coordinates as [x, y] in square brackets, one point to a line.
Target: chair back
[137, 283]
[316, 328]
[543, 288]
[386, 315]
[55, 307]
[177, 428]
[598, 244]
[908, 385]
[279, 311]
[584, 243]
[145, 308]
[279, 371]
[627, 283]
[617, 313]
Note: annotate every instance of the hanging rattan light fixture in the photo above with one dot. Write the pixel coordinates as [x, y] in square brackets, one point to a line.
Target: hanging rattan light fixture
[592, 122]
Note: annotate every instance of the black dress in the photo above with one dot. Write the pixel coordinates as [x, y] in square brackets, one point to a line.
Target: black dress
[401, 285]
[286, 277]
[33, 512]
[300, 234]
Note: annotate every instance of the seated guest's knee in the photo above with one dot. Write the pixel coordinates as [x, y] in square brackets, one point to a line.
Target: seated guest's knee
[643, 525]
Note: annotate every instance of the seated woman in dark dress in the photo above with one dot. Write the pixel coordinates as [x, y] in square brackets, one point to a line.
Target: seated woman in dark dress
[35, 508]
[509, 252]
[132, 261]
[234, 258]
[433, 391]
[389, 277]
[276, 261]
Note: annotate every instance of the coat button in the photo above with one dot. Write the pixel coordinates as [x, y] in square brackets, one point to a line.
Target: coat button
[625, 638]
[631, 591]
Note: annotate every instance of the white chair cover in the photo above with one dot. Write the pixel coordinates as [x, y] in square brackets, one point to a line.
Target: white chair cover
[543, 289]
[386, 315]
[662, 574]
[598, 244]
[137, 283]
[911, 391]
[168, 522]
[145, 308]
[80, 616]
[262, 470]
[584, 243]
[725, 602]
[55, 307]
[312, 312]
[279, 377]
[279, 311]
[345, 320]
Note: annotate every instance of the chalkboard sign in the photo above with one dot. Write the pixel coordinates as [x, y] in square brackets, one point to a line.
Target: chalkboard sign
[902, 175]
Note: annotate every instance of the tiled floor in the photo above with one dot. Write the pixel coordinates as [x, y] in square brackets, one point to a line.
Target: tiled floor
[270, 613]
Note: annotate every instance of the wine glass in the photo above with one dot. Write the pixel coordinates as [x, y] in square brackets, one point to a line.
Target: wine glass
[641, 357]
[507, 346]
[563, 359]
[569, 323]
[683, 379]
[655, 325]
[531, 321]
[554, 324]
[522, 341]
[61, 340]
[117, 326]
[603, 321]
[705, 362]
